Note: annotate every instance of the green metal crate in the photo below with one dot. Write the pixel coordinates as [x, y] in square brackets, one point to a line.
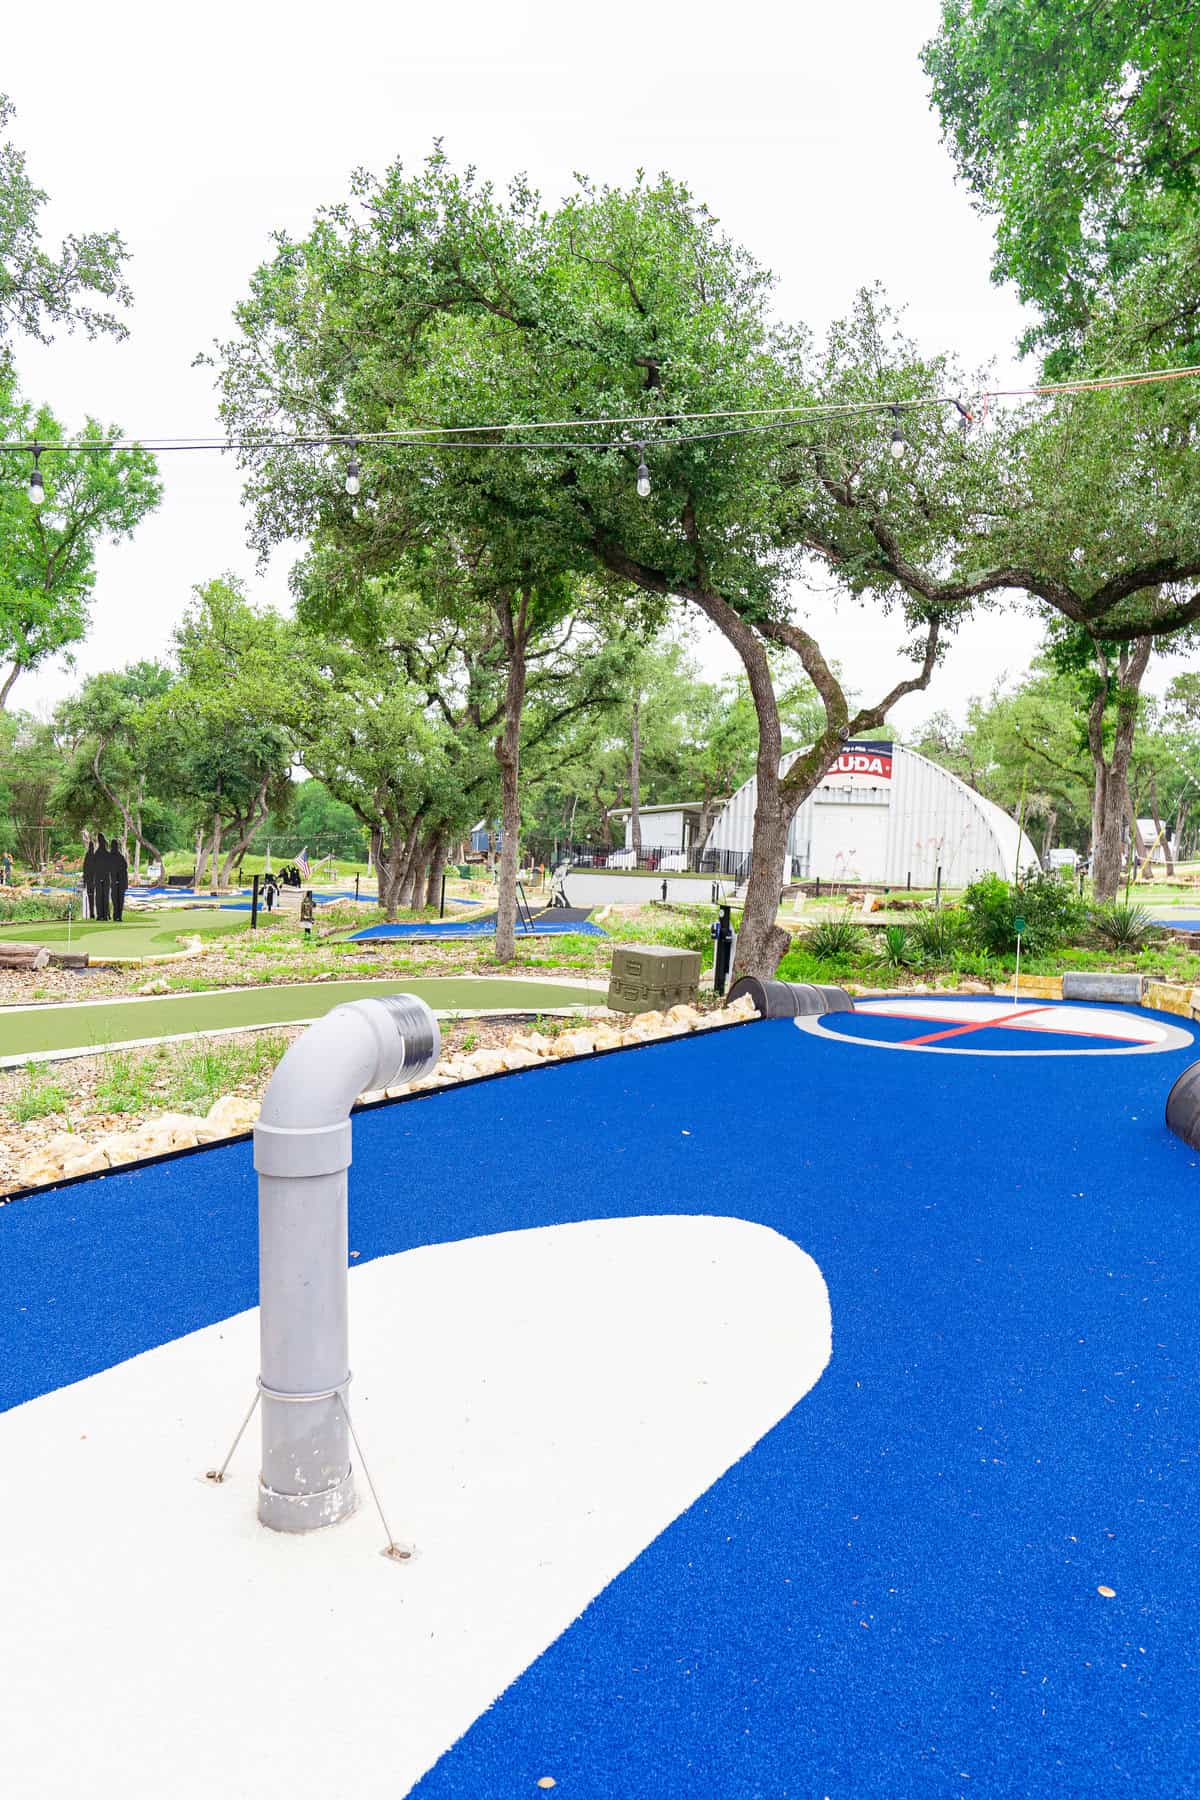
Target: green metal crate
[651, 977]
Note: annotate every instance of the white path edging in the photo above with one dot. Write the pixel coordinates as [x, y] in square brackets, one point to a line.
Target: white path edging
[526, 1482]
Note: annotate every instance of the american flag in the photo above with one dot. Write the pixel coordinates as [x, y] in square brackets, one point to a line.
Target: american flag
[302, 863]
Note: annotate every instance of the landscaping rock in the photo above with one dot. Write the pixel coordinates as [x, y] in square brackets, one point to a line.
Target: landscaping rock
[89, 1163]
[231, 1114]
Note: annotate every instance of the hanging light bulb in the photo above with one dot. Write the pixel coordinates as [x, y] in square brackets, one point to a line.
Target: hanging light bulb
[37, 487]
[643, 474]
[353, 483]
[898, 444]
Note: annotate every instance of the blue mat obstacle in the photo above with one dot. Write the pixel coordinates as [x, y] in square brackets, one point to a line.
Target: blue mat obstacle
[478, 928]
[1176, 924]
[896, 1592]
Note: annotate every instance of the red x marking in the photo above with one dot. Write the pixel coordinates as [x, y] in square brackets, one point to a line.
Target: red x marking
[977, 1025]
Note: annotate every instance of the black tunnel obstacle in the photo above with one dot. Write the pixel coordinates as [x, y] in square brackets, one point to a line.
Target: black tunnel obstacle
[1183, 1106]
[790, 999]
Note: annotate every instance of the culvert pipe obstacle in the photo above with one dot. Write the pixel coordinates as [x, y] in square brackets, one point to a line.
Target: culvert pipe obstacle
[790, 999]
[302, 1147]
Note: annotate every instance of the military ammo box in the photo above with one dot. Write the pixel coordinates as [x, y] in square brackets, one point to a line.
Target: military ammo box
[650, 977]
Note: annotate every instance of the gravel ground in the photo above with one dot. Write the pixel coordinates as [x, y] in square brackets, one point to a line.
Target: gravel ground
[79, 1077]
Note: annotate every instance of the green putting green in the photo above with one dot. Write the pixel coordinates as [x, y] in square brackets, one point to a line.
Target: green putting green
[102, 1023]
[138, 934]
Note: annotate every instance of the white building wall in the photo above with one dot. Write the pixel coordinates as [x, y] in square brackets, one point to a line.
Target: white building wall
[868, 828]
[660, 831]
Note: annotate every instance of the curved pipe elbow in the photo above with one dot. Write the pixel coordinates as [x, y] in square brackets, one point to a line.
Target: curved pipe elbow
[362, 1045]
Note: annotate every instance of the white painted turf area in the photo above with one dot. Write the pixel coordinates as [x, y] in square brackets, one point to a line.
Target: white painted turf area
[944, 1026]
[536, 1407]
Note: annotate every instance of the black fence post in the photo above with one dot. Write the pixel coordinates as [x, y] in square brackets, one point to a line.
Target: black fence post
[908, 881]
[356, 887]
[818, 892]
[937, 897]
[664, 890]
[442, 901]
[254, 904]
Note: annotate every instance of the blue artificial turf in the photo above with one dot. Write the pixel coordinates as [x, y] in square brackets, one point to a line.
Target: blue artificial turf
[1177, 924]
[475, 928]
[895, 1592]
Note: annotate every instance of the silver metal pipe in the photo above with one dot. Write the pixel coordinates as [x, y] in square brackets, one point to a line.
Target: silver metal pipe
[301, 1153]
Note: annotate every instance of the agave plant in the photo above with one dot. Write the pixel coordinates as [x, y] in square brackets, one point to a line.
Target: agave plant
[833, 940]
[937, 935]
[1123, 927]
[895, 947]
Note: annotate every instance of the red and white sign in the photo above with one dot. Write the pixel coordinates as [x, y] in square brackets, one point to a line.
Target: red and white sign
[863, 764]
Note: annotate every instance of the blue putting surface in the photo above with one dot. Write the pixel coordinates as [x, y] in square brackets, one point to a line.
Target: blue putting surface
[1177, 924]
[477, 928]
[895, 1593]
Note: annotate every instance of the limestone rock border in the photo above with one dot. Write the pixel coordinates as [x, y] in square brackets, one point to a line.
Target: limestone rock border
[70, 1154]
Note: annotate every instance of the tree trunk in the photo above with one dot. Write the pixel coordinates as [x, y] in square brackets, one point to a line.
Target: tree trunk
[635, 781]
[508, 755]
[437, 865]
[198, 866]
[1048, 836]
[414, 885]
[1111, 801]
[392, 859]
[246, 829]
[216, 849]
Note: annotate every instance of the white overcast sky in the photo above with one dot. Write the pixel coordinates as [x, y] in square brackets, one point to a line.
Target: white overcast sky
[196, 130]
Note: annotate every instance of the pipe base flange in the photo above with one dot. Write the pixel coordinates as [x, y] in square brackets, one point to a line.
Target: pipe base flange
[307, 1512]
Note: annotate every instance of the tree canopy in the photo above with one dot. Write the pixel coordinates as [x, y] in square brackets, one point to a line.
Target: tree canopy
[38, 290]
[1078, 128]
[48, 552]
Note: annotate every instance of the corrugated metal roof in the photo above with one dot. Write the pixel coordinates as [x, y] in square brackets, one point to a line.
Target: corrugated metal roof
[922, 819]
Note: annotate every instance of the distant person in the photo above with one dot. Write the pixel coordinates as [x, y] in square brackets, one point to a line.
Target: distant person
[270, 893]
[118, 879]
[6, 869]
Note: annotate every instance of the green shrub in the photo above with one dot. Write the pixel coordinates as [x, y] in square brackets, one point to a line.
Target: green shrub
[1050, 908]
[1123, 927]
[799, 965]
[833, 940]
[938, 935]
[20, 908]
[895, 948]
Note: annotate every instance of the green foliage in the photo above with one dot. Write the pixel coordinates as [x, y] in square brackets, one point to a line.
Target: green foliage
[679, 928]
[48, 552]
[894, 948]
[38, 1096]
[833, 940]
[1051, 911]
[939, 934]
[800, 964]
[37, 290]
[1078, 127]
[17, 909]
[1122, 926]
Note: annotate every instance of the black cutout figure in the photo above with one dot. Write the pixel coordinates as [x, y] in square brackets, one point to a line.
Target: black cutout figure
[100, 879]
[118, 880]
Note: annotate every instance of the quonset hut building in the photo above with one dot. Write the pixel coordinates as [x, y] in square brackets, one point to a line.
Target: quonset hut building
[882, 815]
